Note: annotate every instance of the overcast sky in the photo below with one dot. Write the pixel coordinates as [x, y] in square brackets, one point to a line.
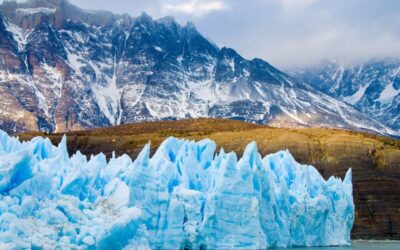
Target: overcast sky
[286, 33]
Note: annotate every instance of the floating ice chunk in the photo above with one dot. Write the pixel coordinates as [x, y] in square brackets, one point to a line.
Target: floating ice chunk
[184, 196]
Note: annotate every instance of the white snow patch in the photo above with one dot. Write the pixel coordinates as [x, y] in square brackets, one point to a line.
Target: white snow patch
[293, 116]
[232, 64]
[388, 94]
[75, 61]
[158, 48]
[108, 98]
[337, 77]
[41, 98]
[56, 78]
[127, 34]
[76, 35]
[259, 90]
[31, 11]
[96, 70]
[20, 36]
[357, 96]
[180, 59]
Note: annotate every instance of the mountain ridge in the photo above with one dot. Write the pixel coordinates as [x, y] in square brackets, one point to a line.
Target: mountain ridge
[77, 69]
[373, 87]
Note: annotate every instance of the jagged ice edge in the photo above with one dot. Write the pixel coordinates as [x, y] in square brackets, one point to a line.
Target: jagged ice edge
[183, 196]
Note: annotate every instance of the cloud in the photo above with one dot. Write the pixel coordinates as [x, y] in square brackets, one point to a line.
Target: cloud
[295, 4]
[194, 7]
[338, 43]
[297, 33]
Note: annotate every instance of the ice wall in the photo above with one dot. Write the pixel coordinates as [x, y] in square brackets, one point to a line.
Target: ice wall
[183, 196]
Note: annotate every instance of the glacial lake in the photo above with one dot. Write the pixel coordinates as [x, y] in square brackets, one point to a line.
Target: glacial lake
[358, 245]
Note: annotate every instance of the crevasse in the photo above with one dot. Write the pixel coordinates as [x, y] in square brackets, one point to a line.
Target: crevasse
[186, 195]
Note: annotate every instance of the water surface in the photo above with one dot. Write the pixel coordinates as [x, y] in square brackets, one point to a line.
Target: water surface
[359, 245]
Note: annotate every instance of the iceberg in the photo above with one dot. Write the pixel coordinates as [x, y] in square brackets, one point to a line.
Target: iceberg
[185, 196]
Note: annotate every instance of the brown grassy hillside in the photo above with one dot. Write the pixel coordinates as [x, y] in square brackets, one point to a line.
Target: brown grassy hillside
[375, 160]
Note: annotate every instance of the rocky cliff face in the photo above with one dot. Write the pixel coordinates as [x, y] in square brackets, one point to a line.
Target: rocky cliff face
[372, 87]
[63, 69]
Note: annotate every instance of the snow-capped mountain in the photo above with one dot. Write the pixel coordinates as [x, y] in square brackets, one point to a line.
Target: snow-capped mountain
[372, 87]
[63, 68]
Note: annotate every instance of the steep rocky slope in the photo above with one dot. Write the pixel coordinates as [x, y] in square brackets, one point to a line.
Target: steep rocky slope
[372, 87]
[67, 69]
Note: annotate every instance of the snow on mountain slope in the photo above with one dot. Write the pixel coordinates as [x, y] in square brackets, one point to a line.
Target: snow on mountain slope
[372, 87]
[73, 69]
[184, 197]
[32, 11]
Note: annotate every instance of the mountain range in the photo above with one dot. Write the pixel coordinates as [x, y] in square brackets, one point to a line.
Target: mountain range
[372, 87]
[63, 68]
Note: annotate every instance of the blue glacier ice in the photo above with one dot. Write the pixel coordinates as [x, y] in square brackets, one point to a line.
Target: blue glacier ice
[186, 195]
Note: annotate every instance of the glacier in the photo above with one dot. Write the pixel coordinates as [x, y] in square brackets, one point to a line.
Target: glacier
[185, 196]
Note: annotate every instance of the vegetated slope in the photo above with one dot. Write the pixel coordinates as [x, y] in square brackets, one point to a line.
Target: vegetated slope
[67, 69]
[375, 160]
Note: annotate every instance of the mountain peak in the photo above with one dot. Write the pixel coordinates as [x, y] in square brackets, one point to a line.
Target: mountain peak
[228, 51]
[145, 17]
[191, 26]
[167, 20]
[191, 29]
